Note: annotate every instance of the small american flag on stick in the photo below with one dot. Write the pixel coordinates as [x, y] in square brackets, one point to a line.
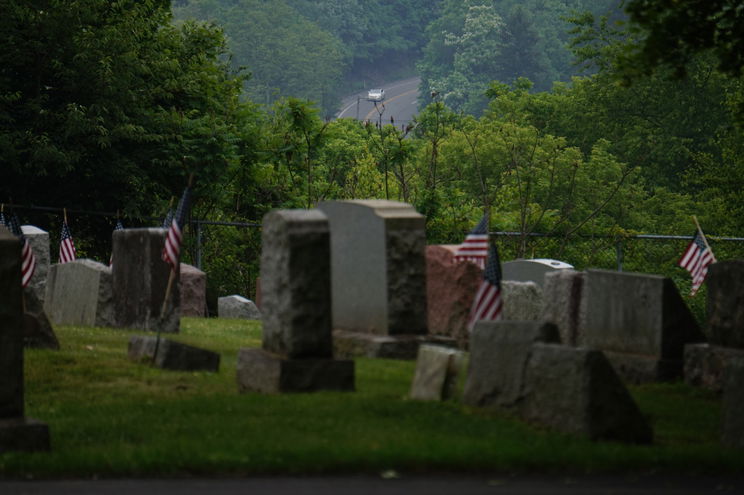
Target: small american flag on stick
[475, 246]
[696, 259]
[118, 226]
[66, 246]
[28, 260]
[488, 303]
[172, 249]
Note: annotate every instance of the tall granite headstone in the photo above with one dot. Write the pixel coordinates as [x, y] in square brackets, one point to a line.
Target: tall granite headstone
[193, 291]
[16, 431]
[522, 300]
[39, 241]
[297, 354]
[732, 413]
[639, 321]
[140, 278]
[725, 303]
[562, 303]
[80, 293]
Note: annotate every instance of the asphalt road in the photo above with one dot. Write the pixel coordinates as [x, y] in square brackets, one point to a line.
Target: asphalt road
[379, 485]
[401, 98]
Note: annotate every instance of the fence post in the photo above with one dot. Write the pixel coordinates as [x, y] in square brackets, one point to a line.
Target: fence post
[198, 244]
[619, 255]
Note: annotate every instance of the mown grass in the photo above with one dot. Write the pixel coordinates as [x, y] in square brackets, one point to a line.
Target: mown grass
[111, 417]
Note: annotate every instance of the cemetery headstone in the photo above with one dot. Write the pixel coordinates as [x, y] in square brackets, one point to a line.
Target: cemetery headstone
[639, 321]
[522, 300]
[562, 303]
[80, 293]
[576, 391]
[38, 332]
[725, 303]
[732, 431]
[450, 290]
[236, 306]
[499, 353]
[39, 241]
[193, 291]
[706, 365]
[140, 279]
[17, 432]
[531, 270]
[437, 371]
[297, 353]
[172, 355]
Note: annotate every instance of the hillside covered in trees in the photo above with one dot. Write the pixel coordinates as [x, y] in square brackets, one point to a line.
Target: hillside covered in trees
[111, 105]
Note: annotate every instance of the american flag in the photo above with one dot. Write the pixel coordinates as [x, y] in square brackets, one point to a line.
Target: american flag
[66, 246]
[118, 226]
[172, 248]
[696, 259]
[488, 303]
[28, 260]
[475, 246]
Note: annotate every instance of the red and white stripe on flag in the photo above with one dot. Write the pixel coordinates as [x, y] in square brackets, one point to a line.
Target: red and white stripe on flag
[66, 246]
[696, 259]
[172, 247]
[487, 305]
[474, 249]
[28, 263]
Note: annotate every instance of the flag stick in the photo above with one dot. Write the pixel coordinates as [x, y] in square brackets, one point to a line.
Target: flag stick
[64, 212]
[705, 240]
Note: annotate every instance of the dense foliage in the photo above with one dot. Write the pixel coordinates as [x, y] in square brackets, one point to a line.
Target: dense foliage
[111, 105]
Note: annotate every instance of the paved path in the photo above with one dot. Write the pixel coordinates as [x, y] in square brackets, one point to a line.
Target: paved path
[405, 485]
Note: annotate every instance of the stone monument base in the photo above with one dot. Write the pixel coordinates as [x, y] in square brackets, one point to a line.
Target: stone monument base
[359, 344]
[261, 371]
[23, 434]
[642, 368]
[173, 355]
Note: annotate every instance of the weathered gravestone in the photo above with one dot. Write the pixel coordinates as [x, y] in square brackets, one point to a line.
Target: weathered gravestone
[576, 391]
[39, 241]
[172, 355]
[437, 371]
[639, 321]
[193, 291]
[562, 303]
[499, 353]
[732, 424]
[236, 306]
[140, 279]
[378, 278]
[706, 365]
[38, 332]
[17, 432]
[450, 289]
[80, 293]
[297, 354]
[532, 270]
[725, 304]
[522, 300]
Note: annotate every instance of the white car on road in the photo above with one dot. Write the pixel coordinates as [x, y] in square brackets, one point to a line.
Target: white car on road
[376, 95]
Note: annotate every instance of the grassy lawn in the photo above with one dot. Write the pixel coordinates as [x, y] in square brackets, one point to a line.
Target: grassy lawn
[111, 417]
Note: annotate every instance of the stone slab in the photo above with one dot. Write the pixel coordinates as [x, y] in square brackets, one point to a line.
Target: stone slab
[378, 266]
[562, 303]
[531, 270]
[499, 353]
[38, 239]
[261, 371]
[38, 332]
[643, 368]
[295, 283]
[349, 345]
[450, 290]
[80, 292]
[193, 290]
[11, 327]
[522, 300]
[637, 314]
[732, 420]
[238, 307]
[725, 303]
[437, 370]
[139, 293]
[576, 391]
[172, 355]
[706, 365]
[23, 435]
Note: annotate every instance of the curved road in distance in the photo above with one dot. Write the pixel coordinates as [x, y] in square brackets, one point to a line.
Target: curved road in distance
[401, 99]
